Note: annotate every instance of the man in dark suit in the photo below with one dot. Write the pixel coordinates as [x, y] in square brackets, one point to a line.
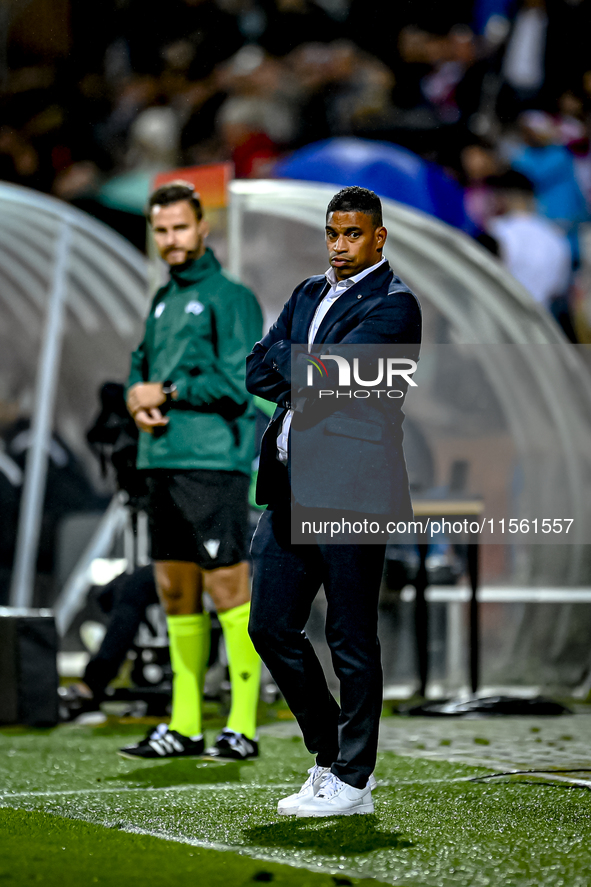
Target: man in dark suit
[354, 445]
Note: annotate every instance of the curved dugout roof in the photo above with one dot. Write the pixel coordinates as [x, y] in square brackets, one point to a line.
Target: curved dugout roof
[72, 296]
[482, 301]
[542, 394]
[106, 280]
[107, 277]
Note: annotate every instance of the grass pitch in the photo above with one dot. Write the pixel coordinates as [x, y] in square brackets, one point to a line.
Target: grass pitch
[76, 813]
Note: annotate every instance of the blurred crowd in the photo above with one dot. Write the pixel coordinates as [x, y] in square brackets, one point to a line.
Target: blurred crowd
[497, 92]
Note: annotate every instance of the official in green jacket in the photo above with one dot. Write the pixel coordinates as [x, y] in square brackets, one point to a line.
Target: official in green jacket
[187, 394]
[200, 327]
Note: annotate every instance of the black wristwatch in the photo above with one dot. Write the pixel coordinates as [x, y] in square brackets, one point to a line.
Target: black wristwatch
[168, 389]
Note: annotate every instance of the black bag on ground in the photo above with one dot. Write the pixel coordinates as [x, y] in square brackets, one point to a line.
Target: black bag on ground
[28, 665]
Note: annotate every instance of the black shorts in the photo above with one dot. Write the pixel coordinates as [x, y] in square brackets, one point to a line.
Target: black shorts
[198, 515]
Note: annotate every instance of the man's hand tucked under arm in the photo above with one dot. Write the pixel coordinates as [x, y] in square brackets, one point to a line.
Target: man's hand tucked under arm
[145, 396]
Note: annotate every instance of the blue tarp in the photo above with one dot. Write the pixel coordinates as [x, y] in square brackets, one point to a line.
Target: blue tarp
[389, 170]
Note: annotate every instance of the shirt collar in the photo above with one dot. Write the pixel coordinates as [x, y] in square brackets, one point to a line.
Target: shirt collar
[350, 281]
[195, 270]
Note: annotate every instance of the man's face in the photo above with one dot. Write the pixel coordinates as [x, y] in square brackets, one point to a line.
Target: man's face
[179, 236]
[353, 242]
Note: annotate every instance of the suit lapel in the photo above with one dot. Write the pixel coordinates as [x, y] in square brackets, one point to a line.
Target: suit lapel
[352, 296]
[307, 310]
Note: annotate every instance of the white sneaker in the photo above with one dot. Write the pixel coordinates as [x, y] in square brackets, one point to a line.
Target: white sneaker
[289, 806]
[337, 798]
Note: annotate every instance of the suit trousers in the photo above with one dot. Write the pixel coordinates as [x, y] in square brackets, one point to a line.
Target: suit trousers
[286, 579]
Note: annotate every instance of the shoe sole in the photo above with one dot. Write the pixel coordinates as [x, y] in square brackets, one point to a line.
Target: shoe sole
[364, 808]
[226, 759]
[130, 757]
[124, 754]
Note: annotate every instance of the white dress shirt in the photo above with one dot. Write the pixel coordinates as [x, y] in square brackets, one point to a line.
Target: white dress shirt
[337, 288]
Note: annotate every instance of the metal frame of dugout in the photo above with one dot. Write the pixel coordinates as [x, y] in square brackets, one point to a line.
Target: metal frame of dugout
[456, 508]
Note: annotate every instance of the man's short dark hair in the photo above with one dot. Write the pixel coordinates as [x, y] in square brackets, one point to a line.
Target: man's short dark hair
[173, 192]
[357, 200]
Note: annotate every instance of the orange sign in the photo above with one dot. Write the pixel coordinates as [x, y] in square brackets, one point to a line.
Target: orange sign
[210, 181]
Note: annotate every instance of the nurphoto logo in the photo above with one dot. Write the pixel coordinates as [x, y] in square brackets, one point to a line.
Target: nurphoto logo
[388, 370]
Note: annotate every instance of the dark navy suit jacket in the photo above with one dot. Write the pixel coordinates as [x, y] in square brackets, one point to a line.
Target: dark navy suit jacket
[356, 462]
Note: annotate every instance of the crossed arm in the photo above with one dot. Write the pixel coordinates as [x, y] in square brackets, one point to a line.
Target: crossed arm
[264, 375]
[396, 321]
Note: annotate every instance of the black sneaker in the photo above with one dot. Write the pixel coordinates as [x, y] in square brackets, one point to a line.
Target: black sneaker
[230, 746]
[164, 743]
[73, 702]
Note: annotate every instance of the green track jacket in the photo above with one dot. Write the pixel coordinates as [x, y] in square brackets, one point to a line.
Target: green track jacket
[200, 328]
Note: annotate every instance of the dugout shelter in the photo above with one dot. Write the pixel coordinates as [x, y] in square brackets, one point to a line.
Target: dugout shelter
[74, 296]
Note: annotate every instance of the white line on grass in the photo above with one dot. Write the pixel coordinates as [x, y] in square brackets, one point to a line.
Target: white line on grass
[252, 852]
[143, 788]
[104, 790]
[241, 850]
[548, 775]
[543, 776]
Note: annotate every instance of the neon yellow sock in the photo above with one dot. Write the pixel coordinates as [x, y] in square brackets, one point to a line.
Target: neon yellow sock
[189, 650]
[204, 651]
[245, 670]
